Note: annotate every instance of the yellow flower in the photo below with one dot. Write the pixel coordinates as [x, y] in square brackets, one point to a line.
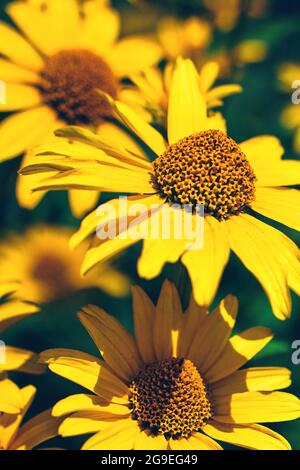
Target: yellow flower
[246, 178]
[51, 73]
[153, 89]
[288, 74]
[14, 403]
[178, 385]
[187, 38]
[13, 309]
[48, 270]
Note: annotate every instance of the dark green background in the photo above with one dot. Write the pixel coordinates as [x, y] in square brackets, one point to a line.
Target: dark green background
[255, 112]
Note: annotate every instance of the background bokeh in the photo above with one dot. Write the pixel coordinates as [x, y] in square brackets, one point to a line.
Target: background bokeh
[255, 112]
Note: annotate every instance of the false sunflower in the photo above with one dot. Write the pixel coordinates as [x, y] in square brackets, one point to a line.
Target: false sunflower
[47, 269]
[13, 310]
[178, 385]
[14, 404]
[52, 67]
[233, 181]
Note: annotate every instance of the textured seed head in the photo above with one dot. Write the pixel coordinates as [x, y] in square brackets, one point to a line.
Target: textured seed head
[69, 83]
[206, 168]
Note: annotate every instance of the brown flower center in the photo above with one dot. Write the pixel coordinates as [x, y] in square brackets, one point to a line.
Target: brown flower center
[206, 168]
[170, 397]
[52, 273]
[69, 83]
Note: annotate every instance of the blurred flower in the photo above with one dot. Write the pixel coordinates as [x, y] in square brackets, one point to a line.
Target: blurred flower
[153, 89]
[231, 180]
[51, 74]
[187, 38]
[12, 310]
[288, 73]
[177, 386]
[14, 403]
[227, 13]
[48, 270]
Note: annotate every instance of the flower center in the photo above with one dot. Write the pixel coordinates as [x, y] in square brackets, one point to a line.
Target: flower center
[51, 273]
[69, 83]
[170, 397]
[206, 168]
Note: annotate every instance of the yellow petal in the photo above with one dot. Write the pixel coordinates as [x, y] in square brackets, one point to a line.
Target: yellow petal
[37, 430]
[167, 322]
[163, 246]
[239, 349]
[100, 178]
[197, 441]
[218, 327]
[34, 21]
[85, 422]
[9, 426]
[144, 313]
[14, 311]
[114, 342]
[87, 371]
[11, 400]
[147, 441]
[131, 55]
[192, 322]
[222, 91]
[250, 240]
[201, 442]
[255, 379]
[208, 75]
[11, 72]
[21, 360]
[20, 96]
[22, 130]
[253, 436]
[264, 154]
[140, 127]
[256, 407]
[205, 266]
[13, 46]
[279, 204]
[111, 132]
[82, 202]
[187, 107]
[119, 436]
[84, 402]
[99, 28]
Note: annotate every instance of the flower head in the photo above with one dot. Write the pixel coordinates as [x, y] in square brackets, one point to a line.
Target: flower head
[200, 163]
[48, 270]
[52, 69]
[180, 384]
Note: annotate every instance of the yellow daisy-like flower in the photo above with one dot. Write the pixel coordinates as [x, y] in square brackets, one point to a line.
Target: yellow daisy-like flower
[153, 89]
[288, 74]
[13, 310]
[177, 386]
[52, 70]
[232, 181]
[14, 404]
[47, 269]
